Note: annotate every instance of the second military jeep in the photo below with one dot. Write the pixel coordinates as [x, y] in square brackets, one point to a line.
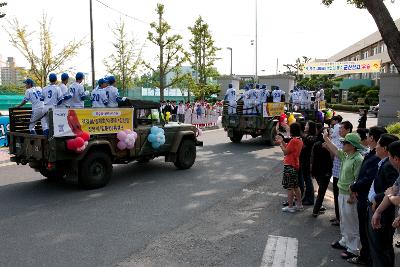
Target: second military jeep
[50, 156]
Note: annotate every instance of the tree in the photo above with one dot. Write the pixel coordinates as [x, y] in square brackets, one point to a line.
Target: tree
[296, 68]
[171, 54]
[46, 60]
[203, 55]
[1, 13]
[123, 63]
[389, 32]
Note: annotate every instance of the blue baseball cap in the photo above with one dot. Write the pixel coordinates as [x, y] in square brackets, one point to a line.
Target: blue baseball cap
[64, 76]
[29, 81]
[101, 81]
[264, 86]
[52, 77]
[111, 79]
[257, 86]
[79, 76]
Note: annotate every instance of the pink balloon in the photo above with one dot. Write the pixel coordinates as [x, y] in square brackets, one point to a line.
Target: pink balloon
[121, 135]
[121, 145]
[130, 145]
[134, 135]
[128, 131]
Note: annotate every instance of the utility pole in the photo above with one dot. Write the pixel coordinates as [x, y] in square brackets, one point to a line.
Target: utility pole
[277, 65]
[256, 45]
[92, 45]
[230, 48]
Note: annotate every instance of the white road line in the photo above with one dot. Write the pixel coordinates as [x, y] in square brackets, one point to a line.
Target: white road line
[7, 164]
[280, 251]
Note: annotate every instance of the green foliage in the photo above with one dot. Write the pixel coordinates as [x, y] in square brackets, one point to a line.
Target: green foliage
[394, 128]
[343, 107]
[371, 94]
[357, 3]
[123, 63]
[313, 82]
[297, 67]
[12, 89]
[171, 54]
[203, 56]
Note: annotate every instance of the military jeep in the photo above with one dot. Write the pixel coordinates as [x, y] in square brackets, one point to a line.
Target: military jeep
[92, 167]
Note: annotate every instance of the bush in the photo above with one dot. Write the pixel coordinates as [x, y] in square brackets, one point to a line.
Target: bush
[394, 129]
[343, 107]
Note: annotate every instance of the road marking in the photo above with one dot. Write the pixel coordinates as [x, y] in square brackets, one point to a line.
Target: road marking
[7, 164]
[280, 251]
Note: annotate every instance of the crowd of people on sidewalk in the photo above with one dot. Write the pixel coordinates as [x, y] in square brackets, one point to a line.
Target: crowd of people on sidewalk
[199, 112]
[364, 166]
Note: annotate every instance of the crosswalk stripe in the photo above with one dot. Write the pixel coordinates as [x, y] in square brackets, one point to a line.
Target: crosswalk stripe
[280, 251]
[7, 164]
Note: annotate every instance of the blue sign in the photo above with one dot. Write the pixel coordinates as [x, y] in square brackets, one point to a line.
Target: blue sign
[4, 128]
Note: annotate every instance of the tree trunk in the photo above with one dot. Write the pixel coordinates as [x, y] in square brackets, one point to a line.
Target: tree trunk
[387, 28]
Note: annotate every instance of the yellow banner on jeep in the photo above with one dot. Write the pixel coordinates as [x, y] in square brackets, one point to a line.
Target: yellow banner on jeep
[273, 109]
[68, 122]
[342, 67]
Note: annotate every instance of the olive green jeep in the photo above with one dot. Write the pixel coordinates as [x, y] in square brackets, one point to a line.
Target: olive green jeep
[92, 167]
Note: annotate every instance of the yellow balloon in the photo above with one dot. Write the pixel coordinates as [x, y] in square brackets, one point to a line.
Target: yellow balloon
[167, 115]
[291, 119]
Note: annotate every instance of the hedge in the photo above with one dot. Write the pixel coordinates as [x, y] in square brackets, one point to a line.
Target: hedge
[394, 128]
[342, 107]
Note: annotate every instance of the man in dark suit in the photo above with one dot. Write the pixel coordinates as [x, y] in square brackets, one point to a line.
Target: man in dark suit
[380, 231]
[368, 171]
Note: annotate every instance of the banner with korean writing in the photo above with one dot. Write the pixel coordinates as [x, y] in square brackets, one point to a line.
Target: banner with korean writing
[273, 109]
[69, 122]
[322, 104]
[343, 67]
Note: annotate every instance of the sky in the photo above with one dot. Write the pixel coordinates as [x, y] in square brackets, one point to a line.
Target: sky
[287, 29]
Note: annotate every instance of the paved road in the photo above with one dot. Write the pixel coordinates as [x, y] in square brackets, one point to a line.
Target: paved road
[222, 212]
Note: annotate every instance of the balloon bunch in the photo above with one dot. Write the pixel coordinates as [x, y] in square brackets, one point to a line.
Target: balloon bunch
[156, 137]
[329, 114]
[283, 119]
[320, 116]
[291, 119]
[167, 115]
[79, 143]
[127, 139]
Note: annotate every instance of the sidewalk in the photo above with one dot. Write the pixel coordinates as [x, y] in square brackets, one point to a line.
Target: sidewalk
[4, 156]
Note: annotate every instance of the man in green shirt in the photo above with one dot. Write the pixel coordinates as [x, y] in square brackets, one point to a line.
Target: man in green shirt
[351, 160]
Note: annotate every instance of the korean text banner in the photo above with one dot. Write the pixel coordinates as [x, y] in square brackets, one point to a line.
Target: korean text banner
[344, 67]
[4, 128]
[273, 109]
[69, 122]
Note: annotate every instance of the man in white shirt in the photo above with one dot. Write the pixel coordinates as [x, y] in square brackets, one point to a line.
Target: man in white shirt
[64, 90]
[230, 97]
[34, 95]
[77, 92]
[181, 112]
[277, 94]
[99, 97]
[52, 97]
[113, 94]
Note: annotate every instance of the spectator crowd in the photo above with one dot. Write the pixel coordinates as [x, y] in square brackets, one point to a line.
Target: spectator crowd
[364, 166]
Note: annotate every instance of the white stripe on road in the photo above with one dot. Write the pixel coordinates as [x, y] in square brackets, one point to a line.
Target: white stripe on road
[280, 251]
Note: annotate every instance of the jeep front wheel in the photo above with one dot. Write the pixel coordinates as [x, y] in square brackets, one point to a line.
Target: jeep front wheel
[237, 137]
[186, 154]
[95, 170]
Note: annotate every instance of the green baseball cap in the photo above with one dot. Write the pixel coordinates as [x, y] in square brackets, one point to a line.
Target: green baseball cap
[354, 139]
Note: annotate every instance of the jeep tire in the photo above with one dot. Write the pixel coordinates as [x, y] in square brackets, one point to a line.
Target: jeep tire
[95, 170]
[237, 137]
[53, 174]
[186, 155]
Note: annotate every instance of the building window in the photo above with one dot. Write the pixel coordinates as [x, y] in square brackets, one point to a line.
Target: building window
[382, 48]
[383, 69]
[357, 57]
[365, 54]
[374, 51]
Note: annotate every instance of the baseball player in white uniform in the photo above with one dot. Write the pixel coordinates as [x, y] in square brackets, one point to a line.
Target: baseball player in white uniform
[34, 95]
[77, 92]
[112, 93]
[262, 98]
[99, 96]
[230, 97]
[277, 95]
[52, 97]
[64, 90]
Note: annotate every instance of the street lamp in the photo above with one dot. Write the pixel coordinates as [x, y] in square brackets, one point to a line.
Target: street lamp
[230, 48]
